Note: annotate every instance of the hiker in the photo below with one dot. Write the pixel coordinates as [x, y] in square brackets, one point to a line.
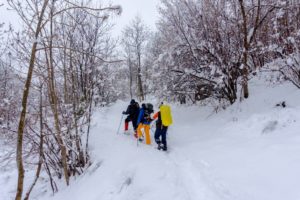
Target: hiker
[132, 112]
[144, 121]
[164, 120]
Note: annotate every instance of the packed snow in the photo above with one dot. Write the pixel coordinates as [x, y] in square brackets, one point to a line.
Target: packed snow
[250, 151]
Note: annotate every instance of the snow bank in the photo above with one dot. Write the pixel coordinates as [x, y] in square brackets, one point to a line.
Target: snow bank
[250, 151]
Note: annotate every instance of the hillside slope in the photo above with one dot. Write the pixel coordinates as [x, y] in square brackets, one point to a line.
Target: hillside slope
[249, 151]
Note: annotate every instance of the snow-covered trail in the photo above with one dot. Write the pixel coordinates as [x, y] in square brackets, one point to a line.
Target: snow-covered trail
[164, 175]
[125, 170]
[248, 152]
[153, 173]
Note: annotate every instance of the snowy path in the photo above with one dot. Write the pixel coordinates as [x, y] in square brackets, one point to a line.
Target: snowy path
[172, 175]
[198, 181]
[140, 172]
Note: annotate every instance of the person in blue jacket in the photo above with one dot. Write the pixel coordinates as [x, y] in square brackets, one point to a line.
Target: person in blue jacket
[144, 121]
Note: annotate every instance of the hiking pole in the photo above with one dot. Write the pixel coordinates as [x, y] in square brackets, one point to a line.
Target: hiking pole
[120, 124]
[137, 138]
[151, 129]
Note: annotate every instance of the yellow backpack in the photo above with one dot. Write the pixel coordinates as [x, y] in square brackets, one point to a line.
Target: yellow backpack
[165, 114]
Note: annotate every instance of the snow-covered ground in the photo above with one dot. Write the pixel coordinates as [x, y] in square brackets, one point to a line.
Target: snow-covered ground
[250, 151]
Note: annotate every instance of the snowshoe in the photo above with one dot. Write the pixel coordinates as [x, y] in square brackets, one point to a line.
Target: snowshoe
[126, 132]
[159, 147]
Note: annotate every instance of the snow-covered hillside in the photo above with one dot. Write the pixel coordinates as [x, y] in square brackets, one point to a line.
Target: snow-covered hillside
[249, 151]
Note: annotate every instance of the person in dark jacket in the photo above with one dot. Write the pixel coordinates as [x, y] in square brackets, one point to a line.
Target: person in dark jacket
[160, 132]
[133, 113]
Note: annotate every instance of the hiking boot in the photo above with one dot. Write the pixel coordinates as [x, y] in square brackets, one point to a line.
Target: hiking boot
[141, 139]
[164, 148]
[159, 147]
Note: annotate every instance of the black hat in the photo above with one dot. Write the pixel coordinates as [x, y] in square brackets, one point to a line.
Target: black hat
[132, 101]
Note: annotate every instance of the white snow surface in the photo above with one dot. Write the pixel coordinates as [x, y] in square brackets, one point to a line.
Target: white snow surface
[250, 151]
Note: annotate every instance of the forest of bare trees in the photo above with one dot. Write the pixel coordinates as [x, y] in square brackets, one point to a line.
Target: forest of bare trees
[64, 63]
[50, 74]
[211, 49]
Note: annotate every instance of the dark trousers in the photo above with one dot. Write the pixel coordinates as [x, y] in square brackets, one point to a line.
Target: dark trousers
[133, 120]
[160, 136]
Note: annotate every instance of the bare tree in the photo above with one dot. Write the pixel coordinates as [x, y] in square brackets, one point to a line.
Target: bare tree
[211, 48]
[135, 37]
[33, 14]
[41, 143]
[253, 17]
[37, 31]
[283, 50]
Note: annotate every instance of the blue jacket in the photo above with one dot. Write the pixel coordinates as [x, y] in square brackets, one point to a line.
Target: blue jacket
[141, 118]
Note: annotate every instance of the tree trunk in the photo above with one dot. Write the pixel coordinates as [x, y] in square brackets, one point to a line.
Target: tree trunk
[54, 103]
[130, 77]
[24, 106]
[245, 51]
[87, 157]
[66, 91]
[139, 77]
[38, 171]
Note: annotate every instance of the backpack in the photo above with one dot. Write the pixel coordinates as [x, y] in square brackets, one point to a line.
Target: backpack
[149, 108]
[137, 106]
[136, 109]
[166, 115]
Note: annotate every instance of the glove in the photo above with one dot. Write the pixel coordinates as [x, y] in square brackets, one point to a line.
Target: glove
[148, 119]
[124, 113]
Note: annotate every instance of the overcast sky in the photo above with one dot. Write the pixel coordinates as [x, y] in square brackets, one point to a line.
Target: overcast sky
[147, 9]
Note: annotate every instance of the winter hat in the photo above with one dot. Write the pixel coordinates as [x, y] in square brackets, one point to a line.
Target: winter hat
[132, 101]
[143, 105]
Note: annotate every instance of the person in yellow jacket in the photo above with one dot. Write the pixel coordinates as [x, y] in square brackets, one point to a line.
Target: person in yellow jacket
[144, 121]
[164, 120]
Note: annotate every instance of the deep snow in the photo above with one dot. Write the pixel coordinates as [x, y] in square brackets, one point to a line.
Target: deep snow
[250, 151]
